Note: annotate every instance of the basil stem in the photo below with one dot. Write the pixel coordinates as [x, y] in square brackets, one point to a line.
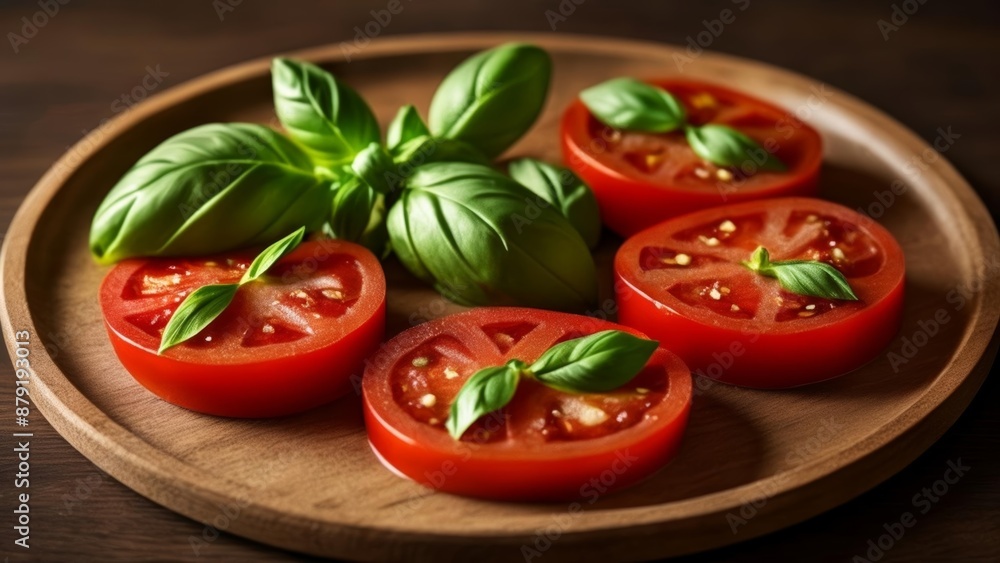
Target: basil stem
[564, 190]
[480, 239]
[596, 363]
[205, 304]
[804, 277]
[324, 115]
[491, 99]
[207, 190]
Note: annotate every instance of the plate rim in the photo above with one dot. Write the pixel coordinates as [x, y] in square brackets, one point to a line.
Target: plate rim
[92, 430]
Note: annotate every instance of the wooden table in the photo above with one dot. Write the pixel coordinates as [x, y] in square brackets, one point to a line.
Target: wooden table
[89, 61]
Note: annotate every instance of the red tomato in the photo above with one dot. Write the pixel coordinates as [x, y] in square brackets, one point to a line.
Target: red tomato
[545, 444]
[641, 179]
[288, 342]
[682, 282]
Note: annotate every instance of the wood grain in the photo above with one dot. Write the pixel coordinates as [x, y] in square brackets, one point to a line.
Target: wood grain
[303, 498]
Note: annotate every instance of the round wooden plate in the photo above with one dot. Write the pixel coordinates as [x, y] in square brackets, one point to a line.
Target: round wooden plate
[752, 461]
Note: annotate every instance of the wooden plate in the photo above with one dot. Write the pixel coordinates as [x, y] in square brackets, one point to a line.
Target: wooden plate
[752, 461]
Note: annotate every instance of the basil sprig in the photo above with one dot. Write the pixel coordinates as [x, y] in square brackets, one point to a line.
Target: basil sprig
[205, 304]
[323, 114]
[207, 190]
[476, 235]
[491, 99]
[628, 104]
[564, 190]
[804, 277]
[597, 363]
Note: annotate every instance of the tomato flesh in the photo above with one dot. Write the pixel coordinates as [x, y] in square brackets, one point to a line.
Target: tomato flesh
[289, 341]
[545, 444]
[683, 281]
[641, 178]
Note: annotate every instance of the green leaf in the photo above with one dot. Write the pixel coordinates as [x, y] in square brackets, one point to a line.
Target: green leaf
[326, 116]
[353, 203]
[626, 103]
[210, 189]
[473, 234]
[492, 98]
[593, 364]
[804, 277]
[196, 312]
[272, 254]
[374, 166]
[725, 146]
[426, 149]
[487, 390]
[563, 189]
[406, 126]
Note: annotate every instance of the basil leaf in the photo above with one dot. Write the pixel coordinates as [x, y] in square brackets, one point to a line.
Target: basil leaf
[196, 312]
[406, 126]
[492, 98]
[353, 203]
[210, 189]
[563, 189]
[594, 364]
[372, 165]
[471, 232]
[626, 103]
[426, 149]
[725, 146]
[804, 277]
[326, 116]
[487, 390]
[272, 254]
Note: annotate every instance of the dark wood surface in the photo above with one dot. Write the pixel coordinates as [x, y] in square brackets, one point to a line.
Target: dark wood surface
[939, 69]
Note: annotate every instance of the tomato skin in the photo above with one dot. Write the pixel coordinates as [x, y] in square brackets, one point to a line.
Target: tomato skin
[558, 471]
[630, 203]
[266, 384]
[778, 358]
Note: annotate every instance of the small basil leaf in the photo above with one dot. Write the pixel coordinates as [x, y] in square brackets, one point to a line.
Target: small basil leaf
[492, 98]
[468, 230]
[353, 203]
[196, 312]
[210, 189]
[804, 277]
[326, 116]
[373, 165]
[629, 104]
[593, 364]
[426, 149]
[405, 126]
[725, 146]
[488, 389]
[272, 254]
[563, 189]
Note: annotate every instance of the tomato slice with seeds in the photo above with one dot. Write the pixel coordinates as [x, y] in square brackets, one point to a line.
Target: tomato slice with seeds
[682, 281]
[288, 342]
[545, 444]
[641, 178]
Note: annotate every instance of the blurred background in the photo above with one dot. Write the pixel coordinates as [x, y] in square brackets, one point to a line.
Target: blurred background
[928, 63]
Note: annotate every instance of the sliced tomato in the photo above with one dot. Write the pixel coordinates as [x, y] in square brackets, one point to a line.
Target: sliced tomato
[545, 444]
[682, 281]
[288, 342]
[641, 179]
